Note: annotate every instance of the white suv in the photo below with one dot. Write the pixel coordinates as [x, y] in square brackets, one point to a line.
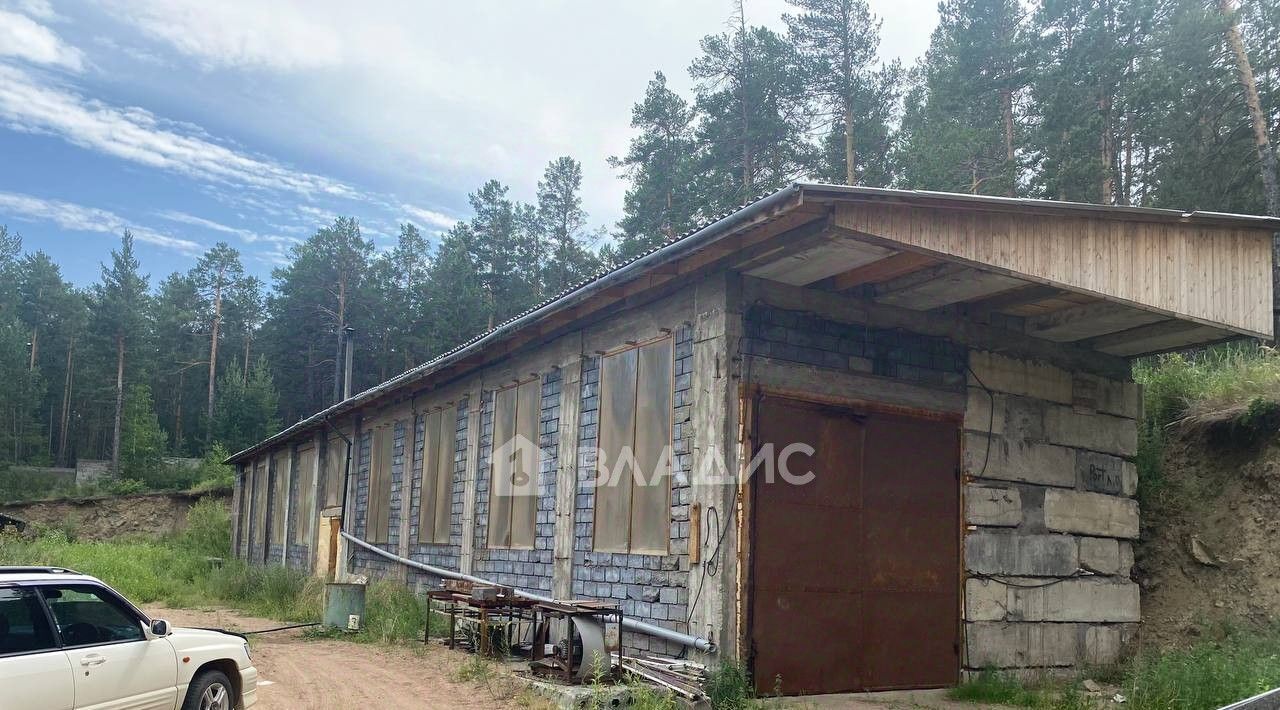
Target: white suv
[69, 641]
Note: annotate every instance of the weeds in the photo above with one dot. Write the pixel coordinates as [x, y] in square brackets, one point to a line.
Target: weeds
[729, 687]
[191, 569]
[990, 686]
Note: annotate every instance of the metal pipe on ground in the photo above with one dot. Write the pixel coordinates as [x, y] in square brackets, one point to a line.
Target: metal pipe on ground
[630, 624]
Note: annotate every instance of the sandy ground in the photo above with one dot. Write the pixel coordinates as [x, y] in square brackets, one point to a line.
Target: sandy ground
[322, 673]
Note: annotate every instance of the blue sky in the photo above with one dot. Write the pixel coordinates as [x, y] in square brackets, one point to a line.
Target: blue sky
[192, 122]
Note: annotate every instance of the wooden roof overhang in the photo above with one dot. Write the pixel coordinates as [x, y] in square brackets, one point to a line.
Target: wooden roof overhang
[1072, 281]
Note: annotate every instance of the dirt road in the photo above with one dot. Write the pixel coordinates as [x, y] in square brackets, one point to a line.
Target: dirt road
[322, 673]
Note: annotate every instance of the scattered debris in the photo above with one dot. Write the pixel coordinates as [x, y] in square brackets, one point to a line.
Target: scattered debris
[1118, 698]
[684, 678]
[1092, 686]
[1201, 553]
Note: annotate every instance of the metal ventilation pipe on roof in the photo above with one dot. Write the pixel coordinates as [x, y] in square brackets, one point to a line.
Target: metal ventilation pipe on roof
[630, 624]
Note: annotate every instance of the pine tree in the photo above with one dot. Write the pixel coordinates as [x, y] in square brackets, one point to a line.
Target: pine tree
[755, 116]
[247, 406]
[840, 39]
[562, 220]
[658, 204]
[182, 329]
[959, 128]
[455, 299]
[142, 441]
[505, 251]
[217, 273]
[121, 304]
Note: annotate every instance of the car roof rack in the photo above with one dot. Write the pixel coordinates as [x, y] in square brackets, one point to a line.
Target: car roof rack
[31, 569]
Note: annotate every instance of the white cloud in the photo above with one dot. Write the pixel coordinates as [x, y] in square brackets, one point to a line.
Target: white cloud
[277, 35]
[71, 216]
[429, 218]
[26, 39]
[139, 136]
[443, 96]
[246, 235]
[39, 9]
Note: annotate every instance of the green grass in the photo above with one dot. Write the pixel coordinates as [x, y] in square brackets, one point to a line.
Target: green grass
[992, 687]
[193, 569]
[1231, 390]
[1215, 672]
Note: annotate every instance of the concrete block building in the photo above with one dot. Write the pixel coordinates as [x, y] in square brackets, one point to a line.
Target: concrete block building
[855, 438]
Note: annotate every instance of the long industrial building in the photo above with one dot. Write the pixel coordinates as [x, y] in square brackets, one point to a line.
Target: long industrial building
[931, 393]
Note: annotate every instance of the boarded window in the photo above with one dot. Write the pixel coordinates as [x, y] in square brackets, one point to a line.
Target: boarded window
[279, 497]
[335, 471]
[260, 491]
[513, 491]
[305, 471]
[377, 516]
[435, 502]
[633, 498]
[246, 498]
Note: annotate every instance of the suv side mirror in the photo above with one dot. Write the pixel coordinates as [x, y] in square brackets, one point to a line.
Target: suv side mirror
[160, 627]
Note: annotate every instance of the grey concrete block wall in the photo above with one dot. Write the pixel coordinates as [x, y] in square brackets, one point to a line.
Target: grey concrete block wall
[1050, 515]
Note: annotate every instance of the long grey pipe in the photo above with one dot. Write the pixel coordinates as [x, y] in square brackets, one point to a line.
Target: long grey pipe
[638, 626]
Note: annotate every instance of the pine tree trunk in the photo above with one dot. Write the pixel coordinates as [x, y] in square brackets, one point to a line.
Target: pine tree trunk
[115, 432]
[1006, 108]
[1266, 156]
[850, 170]
[177, 415]
[743, 78]
[66, 404]
[35, 345]
[1107, 188]
[248, 339]
[213, 350]
[1262, 141]
[337, 356]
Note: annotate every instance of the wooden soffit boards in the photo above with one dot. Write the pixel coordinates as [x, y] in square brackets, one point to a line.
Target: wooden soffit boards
[1211, 275]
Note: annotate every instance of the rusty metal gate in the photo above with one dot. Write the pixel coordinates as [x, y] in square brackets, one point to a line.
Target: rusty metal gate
[855, 574]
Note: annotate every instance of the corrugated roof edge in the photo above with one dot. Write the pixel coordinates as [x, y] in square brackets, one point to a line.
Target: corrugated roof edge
[667, 250]
[708, 231]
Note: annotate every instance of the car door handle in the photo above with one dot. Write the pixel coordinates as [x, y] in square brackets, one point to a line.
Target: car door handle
[92, 659]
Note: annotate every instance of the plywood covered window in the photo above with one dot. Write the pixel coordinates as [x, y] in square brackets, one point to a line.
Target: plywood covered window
[246, 504]
[260, 492]
[378, 511]
[513, 488]
[435, 501]
[305, 470]
[335, 470]
[279, 497]
[633, 492]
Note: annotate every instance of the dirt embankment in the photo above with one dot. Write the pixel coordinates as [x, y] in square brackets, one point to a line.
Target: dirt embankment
[106, 517]
[1210, 550]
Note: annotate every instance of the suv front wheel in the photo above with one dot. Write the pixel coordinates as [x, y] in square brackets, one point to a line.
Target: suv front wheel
[211, 690]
